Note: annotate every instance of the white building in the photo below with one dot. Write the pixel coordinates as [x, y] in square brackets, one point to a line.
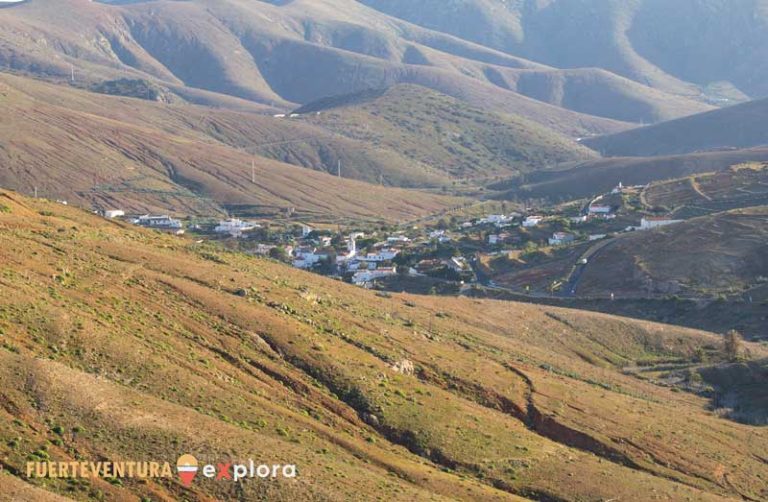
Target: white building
[307, 257]
[458, 264]
[651, 222]
[398, 239]
[532, 221]
[114, 213]
[363, 277]
[561, 238]
[351, 250]
[163, 222]
[385, 254]
[234, 227]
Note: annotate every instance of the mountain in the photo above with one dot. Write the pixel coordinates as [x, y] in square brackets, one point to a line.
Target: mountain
[190, 349]
[720, 254]
[284, 54]
[104, 151]
[740, 126]
[720, 58]
[442, 132]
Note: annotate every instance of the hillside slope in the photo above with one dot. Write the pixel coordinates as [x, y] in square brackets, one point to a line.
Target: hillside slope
[122, 343]
[142, 156]
[740, 126]
[721, 254]
[436, 130]
[242, 49]
[601, 175]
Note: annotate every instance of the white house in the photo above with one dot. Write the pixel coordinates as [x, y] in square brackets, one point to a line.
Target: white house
[163, 222]
[561, 238]
[651, 222]
[385, 254]
[398, 238]
[234, 227]
[532, 221]
[307, 257]
[114, 213]
[366, 276]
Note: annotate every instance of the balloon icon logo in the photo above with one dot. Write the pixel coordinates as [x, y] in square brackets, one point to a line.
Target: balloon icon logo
[186, 466]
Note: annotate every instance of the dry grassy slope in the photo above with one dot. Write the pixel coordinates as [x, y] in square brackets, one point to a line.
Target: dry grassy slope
[742, 185]
[147, 343]
[142, 156]
[240, 48]
[601, 175]
[739, 126]
[724, 253]
[436, 130]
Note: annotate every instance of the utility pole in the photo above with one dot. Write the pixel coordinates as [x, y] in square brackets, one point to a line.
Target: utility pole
[35, 192]
[339, 168]
[72, 72]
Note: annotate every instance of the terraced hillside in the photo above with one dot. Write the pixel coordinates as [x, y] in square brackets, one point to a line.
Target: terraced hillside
[742, 185]
[106, 152]
[122, 343]
[436, 130]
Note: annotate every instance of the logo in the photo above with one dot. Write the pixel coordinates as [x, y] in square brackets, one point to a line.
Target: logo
[186, 466]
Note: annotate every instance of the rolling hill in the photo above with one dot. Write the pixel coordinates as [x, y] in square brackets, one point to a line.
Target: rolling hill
[236, 51]
[187, 348]
[740, 126]
[439, 131]
[141, 156]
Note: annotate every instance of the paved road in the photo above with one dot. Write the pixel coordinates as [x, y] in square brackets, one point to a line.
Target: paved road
[571, 285]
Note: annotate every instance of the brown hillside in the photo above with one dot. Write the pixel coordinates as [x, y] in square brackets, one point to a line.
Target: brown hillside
[150, 346]
[601, 175]
[141, 156]
[724, 253]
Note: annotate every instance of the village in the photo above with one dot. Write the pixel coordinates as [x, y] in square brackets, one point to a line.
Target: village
[447, 253]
